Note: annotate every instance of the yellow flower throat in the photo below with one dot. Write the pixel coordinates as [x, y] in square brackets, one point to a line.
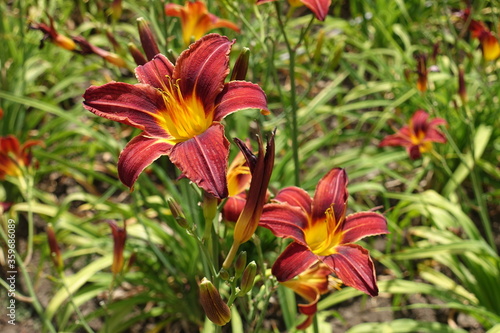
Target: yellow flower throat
[184, 117]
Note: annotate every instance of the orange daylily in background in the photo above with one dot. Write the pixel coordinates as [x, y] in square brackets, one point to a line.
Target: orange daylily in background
[179, 109]
[196, 20]
[489, 43]
[318, 7]
[321, 231]
[14, 157]
[418, 135]
[50, 32]
[310, 285]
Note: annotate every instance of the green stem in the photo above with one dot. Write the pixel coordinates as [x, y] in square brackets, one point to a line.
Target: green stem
[73, 304]
[315, 324]
[230, 256]
[270, 288]
[293, 96]
[31, 291]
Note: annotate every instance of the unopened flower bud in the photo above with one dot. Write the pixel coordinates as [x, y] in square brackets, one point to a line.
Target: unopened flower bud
[248, 278]
[139, 58]
[55, 252]
[64, 42]
[216, 310]
[177, 213]
[116, 46]
[241, 66]
[119, 238]
[148, 40]
[115, 59]
[240, 263]
[116, 9]
[224, 275]
[209, 205]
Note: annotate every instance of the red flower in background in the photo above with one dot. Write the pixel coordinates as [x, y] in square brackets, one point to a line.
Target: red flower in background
[418, 135]
[310, 285]
[179, 109]
[321, 231]
[14, 157]
[489, 43]
[318, 7]
[196, 20]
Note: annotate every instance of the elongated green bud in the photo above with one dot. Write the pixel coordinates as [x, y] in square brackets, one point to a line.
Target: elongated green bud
[240, 263]
[216, 310]
[248, 278]
[177, 213]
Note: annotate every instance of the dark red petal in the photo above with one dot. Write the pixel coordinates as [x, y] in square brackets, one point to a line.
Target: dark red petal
[203, 68]
[136, 105]
[306, 323]
[435, 136]
[284, 221]
[353, 265]
[437, 121]
[294, 260]
[137, 155]
[203, 159]
[318, 7]
[297, 197]
[9, 144]
[419, 121]
[331, 189]
[414, 152]
[395, 140]
[360, 225]
[233, 207]
[155, 72]
[239, 95]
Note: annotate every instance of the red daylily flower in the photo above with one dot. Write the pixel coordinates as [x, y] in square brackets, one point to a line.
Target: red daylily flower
[196, 20]
[321, 231]
[318, 7]
[14, 156]
[418, 135]
[310, 285]
[489, 43]
[179, 109]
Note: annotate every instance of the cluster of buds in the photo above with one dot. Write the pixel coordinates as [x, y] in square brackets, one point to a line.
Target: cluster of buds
[215, 308]
[77, 44]
[81, 45]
